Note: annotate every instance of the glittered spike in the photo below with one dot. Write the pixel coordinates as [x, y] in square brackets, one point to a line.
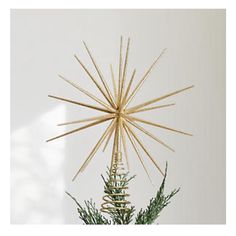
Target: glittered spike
[158, 125]
[139, 85]
[94, 150]
[114, 85]
[79, 103]
[86, 120]
[128, 89]
[144, 148]
[78, 129]
[100, 76]
[158, 99]
[137, 151]
[124, 73]
[87, 93]
[149, 134]
[151, 108]
[124, 144]
[94, 80]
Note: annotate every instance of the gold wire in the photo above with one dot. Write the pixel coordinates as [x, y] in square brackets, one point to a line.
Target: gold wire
[115, 183]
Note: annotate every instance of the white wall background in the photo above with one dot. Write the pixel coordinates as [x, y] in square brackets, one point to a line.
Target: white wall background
[42, 45]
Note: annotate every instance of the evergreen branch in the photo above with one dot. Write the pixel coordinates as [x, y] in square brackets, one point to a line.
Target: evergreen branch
[90, 214]
[156, 205]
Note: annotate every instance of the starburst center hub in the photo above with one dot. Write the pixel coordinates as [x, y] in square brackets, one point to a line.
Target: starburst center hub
[119, 113]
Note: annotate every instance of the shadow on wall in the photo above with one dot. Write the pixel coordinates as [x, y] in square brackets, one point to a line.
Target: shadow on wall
[37, 175]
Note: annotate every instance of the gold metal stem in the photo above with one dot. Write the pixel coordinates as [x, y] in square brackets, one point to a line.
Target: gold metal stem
[79, 103]
[94, 150]
[78, 129]
[100, 76]
[144, 148]
[157, 99]
[139, 85]
[87, 93]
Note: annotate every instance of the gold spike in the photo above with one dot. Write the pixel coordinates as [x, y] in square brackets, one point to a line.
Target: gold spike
[100, 75]
[114, 84]
[93, 79]
[78, 129]
[120, 68]
[87, 93]
[139, 85]
[143, 147]
[119, 135]
[158, 125]
[158, 99]
[128, 89]
[94, 150]
[137, 151]
[88, 119]
[109, 137]
[124, 73]
[124, 144]
[115, 144]
[151, 108]
[148, 133]
[79, 103]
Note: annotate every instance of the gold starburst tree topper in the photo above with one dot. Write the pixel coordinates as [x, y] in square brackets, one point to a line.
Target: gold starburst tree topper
[123, 124]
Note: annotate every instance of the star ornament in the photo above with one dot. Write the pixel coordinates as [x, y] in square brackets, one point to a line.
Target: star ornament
[115, 108]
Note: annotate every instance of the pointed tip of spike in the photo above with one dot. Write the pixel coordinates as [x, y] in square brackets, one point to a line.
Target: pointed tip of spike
[60, 76]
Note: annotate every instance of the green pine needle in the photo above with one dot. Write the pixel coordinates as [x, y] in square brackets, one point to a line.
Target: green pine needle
[156, 205]
[91, 215]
